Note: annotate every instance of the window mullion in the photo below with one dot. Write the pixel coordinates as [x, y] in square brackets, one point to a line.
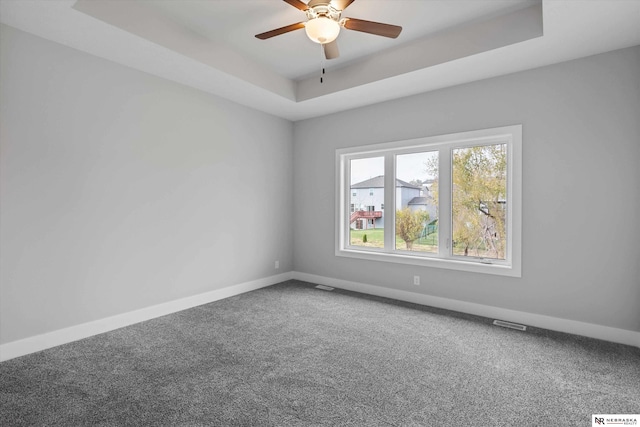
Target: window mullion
[345, 199]
[389, 202]
[444, 203]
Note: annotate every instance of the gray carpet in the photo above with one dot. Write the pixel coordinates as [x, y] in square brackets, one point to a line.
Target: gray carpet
[293, 355]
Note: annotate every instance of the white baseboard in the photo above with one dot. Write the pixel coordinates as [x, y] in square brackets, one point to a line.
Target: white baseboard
[62, 336]
[605, 333]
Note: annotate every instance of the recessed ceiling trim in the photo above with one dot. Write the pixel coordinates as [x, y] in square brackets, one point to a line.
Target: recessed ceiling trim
[141, 20]
[572, 29]
[463, 41]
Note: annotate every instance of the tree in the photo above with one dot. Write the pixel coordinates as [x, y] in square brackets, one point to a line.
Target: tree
[479, 178]
[478, 199]
[409, 225]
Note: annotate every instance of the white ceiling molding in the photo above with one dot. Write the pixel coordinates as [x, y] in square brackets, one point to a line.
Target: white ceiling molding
[459, 42]
[148, 23]
[209, 45]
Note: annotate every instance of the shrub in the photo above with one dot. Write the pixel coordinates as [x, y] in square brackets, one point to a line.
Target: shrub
[409, 225]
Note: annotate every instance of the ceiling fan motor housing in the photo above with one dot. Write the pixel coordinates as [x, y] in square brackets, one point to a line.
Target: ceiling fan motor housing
[323, 8]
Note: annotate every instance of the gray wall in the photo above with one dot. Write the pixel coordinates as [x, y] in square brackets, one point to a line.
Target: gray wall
[581, 196]
[120, 190]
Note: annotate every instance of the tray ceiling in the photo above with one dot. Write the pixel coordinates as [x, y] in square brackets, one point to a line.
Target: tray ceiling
[210, 44]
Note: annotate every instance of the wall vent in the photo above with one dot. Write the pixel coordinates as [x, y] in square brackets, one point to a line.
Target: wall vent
[324, 288]
[509, 325]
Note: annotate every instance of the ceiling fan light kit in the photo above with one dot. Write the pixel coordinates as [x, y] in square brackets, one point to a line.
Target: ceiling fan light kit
[322, 30]
[324, 22]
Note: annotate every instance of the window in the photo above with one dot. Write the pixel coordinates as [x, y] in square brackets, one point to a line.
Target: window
[415, 214]
[457, 201]
[366, 184]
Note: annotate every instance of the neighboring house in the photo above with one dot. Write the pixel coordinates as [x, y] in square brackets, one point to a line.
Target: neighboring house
[367, 201]
[424, 203]
[367, 204]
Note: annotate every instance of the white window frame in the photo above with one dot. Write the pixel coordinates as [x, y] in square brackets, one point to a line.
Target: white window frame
[510, 135]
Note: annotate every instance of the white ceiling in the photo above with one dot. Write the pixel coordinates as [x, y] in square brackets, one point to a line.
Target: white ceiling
[293, 55]
[210, 44]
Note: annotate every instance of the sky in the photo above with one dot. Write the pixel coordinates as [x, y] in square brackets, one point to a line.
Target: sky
[408, 166]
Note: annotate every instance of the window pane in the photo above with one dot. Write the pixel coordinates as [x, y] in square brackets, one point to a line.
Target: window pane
[479, 191]
[416, 202]
[367, 200]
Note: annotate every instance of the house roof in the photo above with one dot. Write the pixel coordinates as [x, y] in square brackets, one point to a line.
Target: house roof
[378, 182]
[418, 201]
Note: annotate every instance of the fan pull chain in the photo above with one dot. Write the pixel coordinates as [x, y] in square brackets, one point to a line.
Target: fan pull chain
[322, 59]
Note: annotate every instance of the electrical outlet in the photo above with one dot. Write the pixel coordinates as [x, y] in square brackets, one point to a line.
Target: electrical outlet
[416, 280]
[277, 265]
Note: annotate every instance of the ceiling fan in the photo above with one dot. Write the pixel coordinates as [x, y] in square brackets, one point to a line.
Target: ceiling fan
[324, 22]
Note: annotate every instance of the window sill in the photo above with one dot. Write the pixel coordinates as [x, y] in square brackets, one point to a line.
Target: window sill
[475, 266]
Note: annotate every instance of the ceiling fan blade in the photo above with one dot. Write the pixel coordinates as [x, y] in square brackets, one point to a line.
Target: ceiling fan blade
[278, 31]
[377, 28]
[298, 4]
[331, 50]
[341, 4]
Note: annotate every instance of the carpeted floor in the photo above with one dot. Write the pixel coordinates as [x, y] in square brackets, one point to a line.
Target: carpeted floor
[294, 355]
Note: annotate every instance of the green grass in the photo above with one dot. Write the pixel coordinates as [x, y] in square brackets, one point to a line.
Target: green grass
[375, 239]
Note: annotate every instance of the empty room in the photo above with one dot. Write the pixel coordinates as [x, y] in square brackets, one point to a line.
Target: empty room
[319, 213]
